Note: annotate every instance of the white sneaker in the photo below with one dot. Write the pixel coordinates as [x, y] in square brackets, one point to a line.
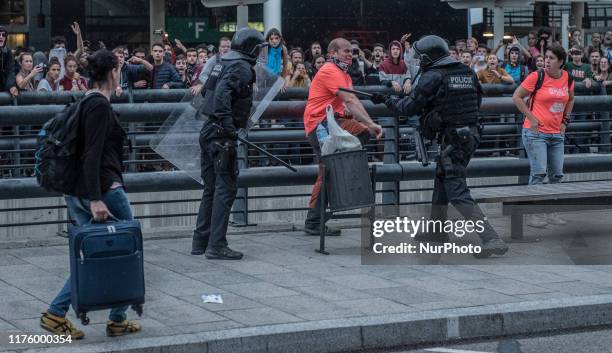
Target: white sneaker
[554, 218]
[536, 221]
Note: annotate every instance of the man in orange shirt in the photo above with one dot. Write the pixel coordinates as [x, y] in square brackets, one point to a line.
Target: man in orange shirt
[324, 90]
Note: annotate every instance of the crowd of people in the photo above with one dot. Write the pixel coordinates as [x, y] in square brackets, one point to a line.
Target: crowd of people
[168, 65]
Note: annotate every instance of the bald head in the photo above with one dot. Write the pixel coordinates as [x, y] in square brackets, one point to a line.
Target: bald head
[337, 44]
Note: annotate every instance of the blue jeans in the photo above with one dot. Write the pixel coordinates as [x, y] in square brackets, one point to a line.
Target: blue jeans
[118, 204]
[545, 152]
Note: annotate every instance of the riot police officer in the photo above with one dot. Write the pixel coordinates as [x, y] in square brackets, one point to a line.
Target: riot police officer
[228, 97]
[447, 97]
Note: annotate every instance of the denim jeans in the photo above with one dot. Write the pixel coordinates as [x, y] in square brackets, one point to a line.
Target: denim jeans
[118, 204]
[545, 152]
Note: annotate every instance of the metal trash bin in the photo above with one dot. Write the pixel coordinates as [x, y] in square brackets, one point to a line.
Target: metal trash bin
[347, 179]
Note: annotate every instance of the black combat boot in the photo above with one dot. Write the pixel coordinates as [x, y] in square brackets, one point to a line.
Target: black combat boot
[224, 253]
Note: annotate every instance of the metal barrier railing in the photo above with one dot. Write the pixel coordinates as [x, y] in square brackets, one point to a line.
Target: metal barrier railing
[501, 137]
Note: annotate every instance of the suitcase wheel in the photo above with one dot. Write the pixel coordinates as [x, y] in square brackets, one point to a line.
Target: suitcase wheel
[137, 308]
[84, 318]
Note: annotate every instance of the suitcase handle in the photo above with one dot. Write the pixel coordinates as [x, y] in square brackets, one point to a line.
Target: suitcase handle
[110, 219]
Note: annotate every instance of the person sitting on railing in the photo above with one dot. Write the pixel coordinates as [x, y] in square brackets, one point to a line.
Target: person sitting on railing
[72, 80]
[50, 82]
[577, 69]
[26, 78]
[605, 75]
[546, 119]
[394, 72]
[493, 73]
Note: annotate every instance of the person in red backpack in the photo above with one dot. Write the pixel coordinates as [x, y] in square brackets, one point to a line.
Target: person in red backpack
[551, 100]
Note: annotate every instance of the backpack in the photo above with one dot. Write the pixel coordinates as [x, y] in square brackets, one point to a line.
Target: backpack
[56, 159]
[539, 84]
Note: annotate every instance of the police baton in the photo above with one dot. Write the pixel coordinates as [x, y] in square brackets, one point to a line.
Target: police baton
[362, 93]
[251, 144]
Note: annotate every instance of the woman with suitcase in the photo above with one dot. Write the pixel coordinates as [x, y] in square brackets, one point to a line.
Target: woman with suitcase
[99, 192]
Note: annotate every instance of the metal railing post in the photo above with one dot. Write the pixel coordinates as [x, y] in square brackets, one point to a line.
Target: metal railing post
[16, 172]
[132, 137]
[604, 115]
[390, 194]
[240, 216]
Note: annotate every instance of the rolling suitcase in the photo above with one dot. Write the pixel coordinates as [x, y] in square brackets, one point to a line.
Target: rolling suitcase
[106, 267]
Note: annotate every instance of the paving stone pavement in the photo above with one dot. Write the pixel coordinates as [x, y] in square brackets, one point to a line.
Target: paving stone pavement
[282, 280]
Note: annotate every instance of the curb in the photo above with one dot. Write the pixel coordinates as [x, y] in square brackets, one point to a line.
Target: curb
[354, 334]
[178, 234]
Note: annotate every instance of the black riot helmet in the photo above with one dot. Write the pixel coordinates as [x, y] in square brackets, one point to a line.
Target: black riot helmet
[247, 41]
[429, 50]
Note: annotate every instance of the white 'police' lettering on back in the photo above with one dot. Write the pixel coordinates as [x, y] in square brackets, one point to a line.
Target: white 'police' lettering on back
[460, 82]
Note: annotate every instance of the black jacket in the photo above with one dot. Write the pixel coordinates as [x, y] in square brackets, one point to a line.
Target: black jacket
[131, 73]
[7, 69]
[228, 94]
[100, 146]
[166, 73]
[356, 74]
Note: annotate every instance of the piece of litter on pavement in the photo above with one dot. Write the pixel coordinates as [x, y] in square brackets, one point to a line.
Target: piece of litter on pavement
[212, 298]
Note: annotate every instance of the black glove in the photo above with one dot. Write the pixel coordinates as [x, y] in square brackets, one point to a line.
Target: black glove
[378, 98]
[231, 134]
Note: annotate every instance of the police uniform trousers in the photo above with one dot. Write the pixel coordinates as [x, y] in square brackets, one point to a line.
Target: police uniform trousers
[450, 182]
[220, 186]
[355, 128]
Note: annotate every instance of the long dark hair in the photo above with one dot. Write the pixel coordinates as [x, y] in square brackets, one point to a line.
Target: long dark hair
[273, 31]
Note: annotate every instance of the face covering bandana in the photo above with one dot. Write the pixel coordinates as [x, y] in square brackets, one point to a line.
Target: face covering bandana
[341, 64]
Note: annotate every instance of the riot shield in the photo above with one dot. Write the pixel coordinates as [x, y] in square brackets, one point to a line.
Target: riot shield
[177, 140]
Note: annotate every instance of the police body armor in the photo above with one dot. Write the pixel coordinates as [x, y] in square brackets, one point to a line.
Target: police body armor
[241, 101]
[458, 96]
[455, 119]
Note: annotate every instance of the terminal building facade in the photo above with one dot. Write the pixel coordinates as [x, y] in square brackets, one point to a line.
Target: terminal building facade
[33, 22]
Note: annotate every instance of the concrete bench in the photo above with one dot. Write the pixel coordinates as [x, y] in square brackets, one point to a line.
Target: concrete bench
[520, 200]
